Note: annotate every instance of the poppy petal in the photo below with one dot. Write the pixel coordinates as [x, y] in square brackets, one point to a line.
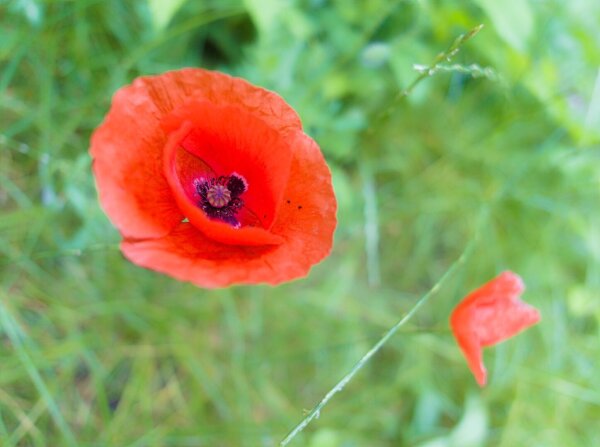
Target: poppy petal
[175, 88]
[127, 147]
[308, 210]
[127, 154]
[490, 315]
[305, 222]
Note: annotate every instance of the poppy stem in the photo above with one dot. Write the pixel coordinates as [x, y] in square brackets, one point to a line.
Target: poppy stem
[316, 410]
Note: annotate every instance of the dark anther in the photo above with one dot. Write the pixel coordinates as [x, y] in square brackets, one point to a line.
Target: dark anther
[237, 185]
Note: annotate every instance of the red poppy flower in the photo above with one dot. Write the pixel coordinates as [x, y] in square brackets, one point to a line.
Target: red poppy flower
[489, 315]
[211, 180]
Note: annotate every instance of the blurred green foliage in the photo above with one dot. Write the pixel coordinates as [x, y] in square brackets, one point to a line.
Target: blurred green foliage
[97, 352]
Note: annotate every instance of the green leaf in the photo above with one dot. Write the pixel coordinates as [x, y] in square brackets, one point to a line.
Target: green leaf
[512, 19]
[264, 13]
[325, 438]
[163, 11]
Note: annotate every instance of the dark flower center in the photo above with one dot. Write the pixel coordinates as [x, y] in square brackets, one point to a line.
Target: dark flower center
[220, 197]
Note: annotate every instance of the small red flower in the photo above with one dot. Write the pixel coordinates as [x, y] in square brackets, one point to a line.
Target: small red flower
[211, 180]
[489, 315]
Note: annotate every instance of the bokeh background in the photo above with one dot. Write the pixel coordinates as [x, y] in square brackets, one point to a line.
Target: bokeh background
[95, 351]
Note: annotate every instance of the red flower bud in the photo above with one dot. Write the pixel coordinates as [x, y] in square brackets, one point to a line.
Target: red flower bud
[489, 315]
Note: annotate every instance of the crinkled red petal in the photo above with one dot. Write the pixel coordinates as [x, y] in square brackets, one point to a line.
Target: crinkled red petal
[305, 221]
[489, 315]
[127, 148]
[127, 163]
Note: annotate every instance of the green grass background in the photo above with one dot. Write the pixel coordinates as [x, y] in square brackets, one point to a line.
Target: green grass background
[95, 351]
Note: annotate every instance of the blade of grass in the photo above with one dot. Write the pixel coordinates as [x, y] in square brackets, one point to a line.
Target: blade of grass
[427, 71]
[445, 56]
[13, 332]
[27, 424]
[371, 227]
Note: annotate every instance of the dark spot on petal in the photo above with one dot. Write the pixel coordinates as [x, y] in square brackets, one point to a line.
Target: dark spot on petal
[299, 207]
